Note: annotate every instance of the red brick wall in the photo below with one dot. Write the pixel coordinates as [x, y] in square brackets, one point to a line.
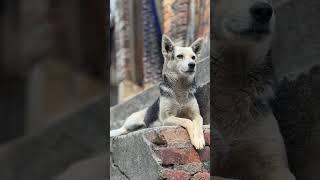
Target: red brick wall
[179, 159]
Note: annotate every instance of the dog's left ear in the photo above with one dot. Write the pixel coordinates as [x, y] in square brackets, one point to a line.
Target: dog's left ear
[167, 45]
[197, 46]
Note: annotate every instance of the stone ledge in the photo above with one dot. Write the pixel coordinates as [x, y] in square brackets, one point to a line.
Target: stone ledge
[159, 153]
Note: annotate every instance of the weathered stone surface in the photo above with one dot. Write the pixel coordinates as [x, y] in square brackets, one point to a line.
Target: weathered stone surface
[205, 154]
[132, 156]
[120, 112]
[192, 168]
[202, 176]
[152, 154]
[169, 174]
[171, 156]
[207, 136]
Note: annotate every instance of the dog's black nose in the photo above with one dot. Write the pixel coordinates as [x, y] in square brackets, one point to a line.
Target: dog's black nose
[191, 65]
[261, 12]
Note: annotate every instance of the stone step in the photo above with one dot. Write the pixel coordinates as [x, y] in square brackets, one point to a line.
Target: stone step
[159, 153]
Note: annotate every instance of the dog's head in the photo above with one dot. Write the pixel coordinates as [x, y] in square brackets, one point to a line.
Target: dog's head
[180, 60]
[243, 22]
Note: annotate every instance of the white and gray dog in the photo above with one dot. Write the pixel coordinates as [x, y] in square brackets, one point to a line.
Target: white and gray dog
[251, 146]
[177, 104]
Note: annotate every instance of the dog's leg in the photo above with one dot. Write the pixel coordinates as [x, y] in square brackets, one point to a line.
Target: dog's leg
[118, 132]
[187, 124]
[133, 122]
[198, 123]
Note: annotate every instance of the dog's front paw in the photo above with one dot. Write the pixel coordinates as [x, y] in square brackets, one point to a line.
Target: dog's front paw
[197, 139]
[201, 139]
[198, 144]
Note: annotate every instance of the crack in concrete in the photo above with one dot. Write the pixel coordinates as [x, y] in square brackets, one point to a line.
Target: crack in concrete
[116, 165]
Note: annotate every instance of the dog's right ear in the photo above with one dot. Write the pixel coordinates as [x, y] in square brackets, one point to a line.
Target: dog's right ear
[167, 45]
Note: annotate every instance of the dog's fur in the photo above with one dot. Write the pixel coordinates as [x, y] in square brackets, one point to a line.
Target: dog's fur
[252, 147]
[177, 104]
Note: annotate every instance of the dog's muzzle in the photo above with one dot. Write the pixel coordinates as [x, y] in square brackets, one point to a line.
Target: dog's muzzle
[191, 67]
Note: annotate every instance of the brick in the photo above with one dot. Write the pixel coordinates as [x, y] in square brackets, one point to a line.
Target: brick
[192, 168]
[171, 156]
[207, 136]
[205, 154]
[170, 174]
[156, 138]
[202, 176]
[178, 135]
[206, 166]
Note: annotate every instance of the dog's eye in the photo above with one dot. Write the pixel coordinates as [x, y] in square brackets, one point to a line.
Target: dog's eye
[180, 56]
[193, 57]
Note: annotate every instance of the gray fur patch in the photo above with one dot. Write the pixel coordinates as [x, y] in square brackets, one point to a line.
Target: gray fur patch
[167, 88]
[152, 113]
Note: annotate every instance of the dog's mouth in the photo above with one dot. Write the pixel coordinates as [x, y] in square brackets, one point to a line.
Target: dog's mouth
[190, 71]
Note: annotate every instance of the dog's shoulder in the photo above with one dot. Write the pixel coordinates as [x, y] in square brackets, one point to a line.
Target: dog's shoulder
[165, 87]
[152, 113]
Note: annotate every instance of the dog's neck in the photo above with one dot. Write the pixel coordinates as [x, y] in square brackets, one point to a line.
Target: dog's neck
[179, 82]
[181, 87]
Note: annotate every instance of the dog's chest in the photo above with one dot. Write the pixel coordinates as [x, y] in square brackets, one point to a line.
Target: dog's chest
[182, 109]
[182, 100]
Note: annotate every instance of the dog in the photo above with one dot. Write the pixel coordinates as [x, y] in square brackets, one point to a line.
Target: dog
[251, 146]
[177, 104]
